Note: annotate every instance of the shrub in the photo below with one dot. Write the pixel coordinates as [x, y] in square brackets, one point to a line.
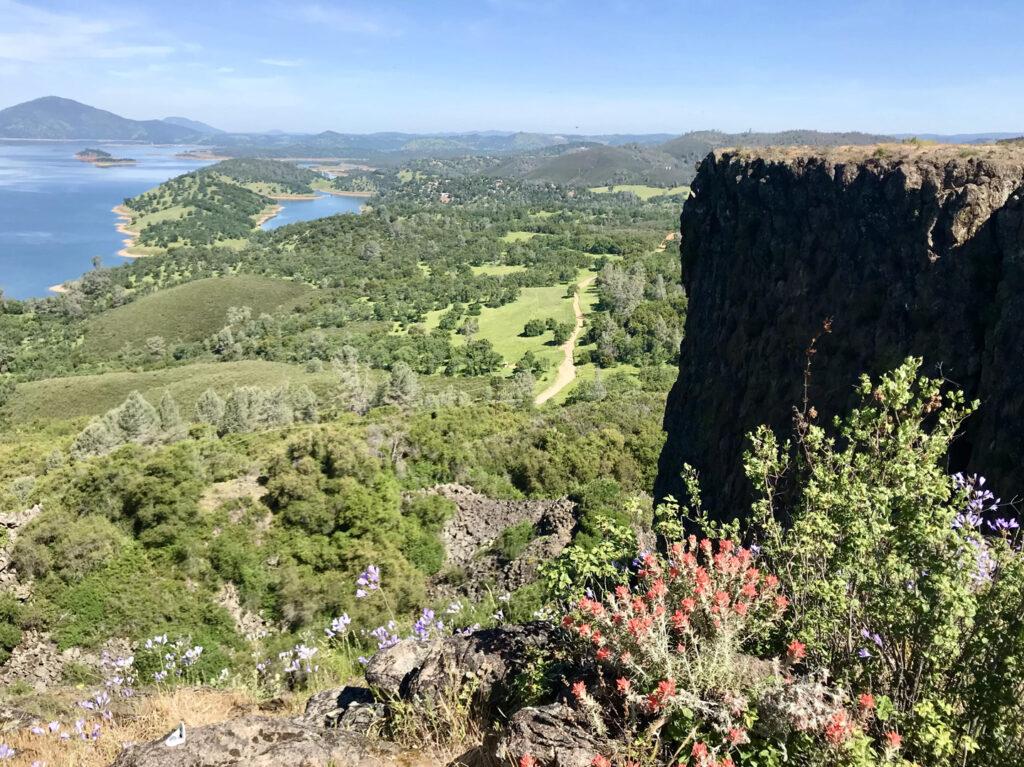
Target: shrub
[513, 540]
[901, 577]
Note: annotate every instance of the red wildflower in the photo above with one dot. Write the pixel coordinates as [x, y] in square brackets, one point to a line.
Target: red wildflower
[740, 608]
[749, 590]
[579, 689]
[601, 761]
[667, 689]
[752, 574]
[586, 630]
[737, 736]
[603, 653]
[781, 603]
[623, 684]
[721, 599]
[893, 740]
[770, 581]
[838, 728]
[867, 701]
[700, 751]
[658, 589]
[688, 604]
[626, 656]
[796, 651]
[725, 546]
[680, 620]
[727, 762]
[567, 621]
[527, 761]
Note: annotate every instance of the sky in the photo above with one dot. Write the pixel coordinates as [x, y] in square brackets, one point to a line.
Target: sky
[560, 66]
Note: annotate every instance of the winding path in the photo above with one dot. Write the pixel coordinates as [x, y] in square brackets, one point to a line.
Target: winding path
[567, 370]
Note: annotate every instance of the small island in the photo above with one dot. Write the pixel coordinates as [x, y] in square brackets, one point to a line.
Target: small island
[102, 159]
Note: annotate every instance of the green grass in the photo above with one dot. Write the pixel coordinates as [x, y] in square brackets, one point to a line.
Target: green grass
[497, 269]
[76, 396]
[518, 236]
[640, 190]
[188, 312]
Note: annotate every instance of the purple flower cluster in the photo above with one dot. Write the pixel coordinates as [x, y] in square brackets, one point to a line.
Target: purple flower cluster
[299, 659]
[425, 625]
[864, 653]
[338, 626]
[368, 581]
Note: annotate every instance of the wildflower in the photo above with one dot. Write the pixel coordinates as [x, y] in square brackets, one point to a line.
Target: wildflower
[601, 761]
[740, 608]
[700, 751]
[360, 593]
[796, 651]
[781, 603]
[603, 653]
[338, 626]
[737, 736]
[727, 762]
[38, 731]
[527, 761]
[54, 726]
[867, 701]
[6, 752]
[865, 654]
[623, 684]
[579, 689]
[893, 740]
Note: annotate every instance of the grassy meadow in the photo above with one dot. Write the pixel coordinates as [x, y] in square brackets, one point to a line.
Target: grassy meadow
[188, 312]
[641, 190]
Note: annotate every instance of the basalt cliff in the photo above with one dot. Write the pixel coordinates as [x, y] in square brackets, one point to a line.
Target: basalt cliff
[909, 251]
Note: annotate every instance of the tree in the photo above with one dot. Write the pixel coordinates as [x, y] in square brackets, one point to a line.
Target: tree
[402, 387]
[469, 328]
[535, 327]
[137, 420]
[95, 439]
[54, 461]
[6, 388]
[209, 408]
[239, 411]
[353, 386]
[156, 346]
[562, 331]
[305, 405]
[272, 409]
[171, 425]
[371, 251]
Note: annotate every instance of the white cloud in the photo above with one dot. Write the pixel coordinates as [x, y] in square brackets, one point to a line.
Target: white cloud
[281, 62]
[347, 21]
[37, 35]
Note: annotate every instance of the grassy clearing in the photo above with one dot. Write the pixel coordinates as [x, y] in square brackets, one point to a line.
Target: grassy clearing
[497, 269]
[640, 190]
[76, 396]
[518, 236]
[188, 312]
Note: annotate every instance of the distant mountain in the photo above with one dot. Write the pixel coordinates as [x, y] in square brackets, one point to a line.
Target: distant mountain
[51, 117]
[184, 122]
[960, 138]
[693, 147]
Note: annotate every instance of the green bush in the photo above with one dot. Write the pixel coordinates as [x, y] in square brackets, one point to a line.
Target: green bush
[513, 540]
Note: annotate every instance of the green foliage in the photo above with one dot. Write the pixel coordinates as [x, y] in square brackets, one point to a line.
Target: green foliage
[893, 586]
[513, 540]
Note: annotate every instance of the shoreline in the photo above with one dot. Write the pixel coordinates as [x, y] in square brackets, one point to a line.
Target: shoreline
[267, 215]
[342, 193]
[122, 227]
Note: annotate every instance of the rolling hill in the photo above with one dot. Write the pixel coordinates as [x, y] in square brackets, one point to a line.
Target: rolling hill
[184, 122]
[52, 117]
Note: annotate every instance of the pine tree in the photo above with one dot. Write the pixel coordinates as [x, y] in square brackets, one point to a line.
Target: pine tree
[138, 420]
[209, 408]
[305, 406]
[94, 439]
[239, 411]
[402, 387]
[171, 426]
[273, 409]
[353, 387]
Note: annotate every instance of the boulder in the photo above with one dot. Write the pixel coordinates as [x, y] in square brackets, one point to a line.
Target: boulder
[259, 741]
[555, 735]
[490, 658]
[347, 708]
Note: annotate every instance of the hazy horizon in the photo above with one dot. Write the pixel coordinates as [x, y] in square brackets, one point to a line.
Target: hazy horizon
[552, 67]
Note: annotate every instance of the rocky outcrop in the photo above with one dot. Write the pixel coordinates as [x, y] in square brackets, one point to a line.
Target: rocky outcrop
[908, 251]
[476, 525]
[259, 741]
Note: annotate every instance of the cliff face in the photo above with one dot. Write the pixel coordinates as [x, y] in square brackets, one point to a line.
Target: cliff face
[920, 252]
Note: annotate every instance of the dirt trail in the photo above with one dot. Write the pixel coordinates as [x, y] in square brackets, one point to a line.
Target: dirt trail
[567, 370]
[668, 238]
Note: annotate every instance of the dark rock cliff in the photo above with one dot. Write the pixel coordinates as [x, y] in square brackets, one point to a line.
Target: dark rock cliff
[920, 251]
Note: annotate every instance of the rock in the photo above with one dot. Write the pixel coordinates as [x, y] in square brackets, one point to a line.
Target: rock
[554, 735]
[388, 670]
[346, 708]
[478, 522]
[257, 741]
[919, 252]
[490, 659]
[13, 719]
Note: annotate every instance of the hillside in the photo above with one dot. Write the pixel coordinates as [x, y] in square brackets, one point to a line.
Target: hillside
[52, 117]
[218, 204]
[196, 125]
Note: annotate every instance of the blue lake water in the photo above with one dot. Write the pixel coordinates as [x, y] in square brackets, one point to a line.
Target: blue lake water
[55, 210]
[306, 210]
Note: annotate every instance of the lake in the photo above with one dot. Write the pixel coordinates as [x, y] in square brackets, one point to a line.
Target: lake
[306, 210]
[55, 211]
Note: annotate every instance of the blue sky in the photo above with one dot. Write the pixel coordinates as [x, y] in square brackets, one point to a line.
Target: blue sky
[590, 67]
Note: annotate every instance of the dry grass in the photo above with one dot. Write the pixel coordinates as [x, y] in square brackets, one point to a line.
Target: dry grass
[150, 716]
